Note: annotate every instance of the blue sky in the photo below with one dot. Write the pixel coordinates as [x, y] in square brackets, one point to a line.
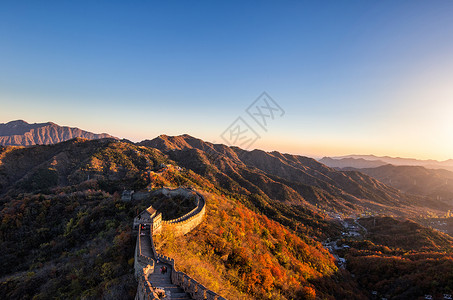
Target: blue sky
[352, 76]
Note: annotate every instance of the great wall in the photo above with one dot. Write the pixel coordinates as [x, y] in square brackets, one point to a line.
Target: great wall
[172, 284]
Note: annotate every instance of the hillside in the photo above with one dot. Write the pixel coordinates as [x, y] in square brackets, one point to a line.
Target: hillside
[64, 232]
[261, 238]
[372, 161]
[21, 133]
[244, 255]
[399, 259]
[406, 235]
[437, 184]
[350, 162]
[289, 179]
[65, 199]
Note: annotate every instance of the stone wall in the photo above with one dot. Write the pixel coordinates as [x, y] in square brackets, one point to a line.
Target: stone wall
[170, 192]
[196, 290]
[144, 289]
[157, 223]
[140, 259]
[189, 221]
[179, 226]
[182, 225]
[143, 265]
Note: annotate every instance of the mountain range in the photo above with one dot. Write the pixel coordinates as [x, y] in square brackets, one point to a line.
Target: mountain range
[290, 179]
[267, 214]
[435, 183]
[66, 200]
[372, 161]
[271, 177]
[21, 133]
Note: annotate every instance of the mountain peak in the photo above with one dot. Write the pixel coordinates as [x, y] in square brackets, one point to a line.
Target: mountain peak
[21, 133]
[16, 123]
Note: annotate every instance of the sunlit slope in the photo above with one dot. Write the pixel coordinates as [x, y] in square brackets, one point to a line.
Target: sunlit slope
[289, 179]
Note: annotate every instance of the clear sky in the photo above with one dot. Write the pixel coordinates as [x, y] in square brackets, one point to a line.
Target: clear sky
[363, 77]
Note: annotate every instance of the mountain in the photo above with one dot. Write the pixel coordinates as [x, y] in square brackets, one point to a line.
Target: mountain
[66, 233]
[400, 259]
[21, 133]
[415, 180]
[351, 162]
[288, 179]
[371, 161]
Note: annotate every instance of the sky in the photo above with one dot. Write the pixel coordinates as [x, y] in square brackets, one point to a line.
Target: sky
[343, 77]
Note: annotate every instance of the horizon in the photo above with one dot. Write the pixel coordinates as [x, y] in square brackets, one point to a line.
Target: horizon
[377, 157]
[356, 77]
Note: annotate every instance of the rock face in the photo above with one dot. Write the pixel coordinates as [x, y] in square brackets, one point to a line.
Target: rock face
[21, 133]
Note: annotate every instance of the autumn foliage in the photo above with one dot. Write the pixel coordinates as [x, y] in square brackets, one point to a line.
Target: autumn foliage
[244, 254]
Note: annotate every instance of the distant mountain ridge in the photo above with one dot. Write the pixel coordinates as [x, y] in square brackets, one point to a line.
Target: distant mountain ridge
[414, 179]
[372, 161]
[286, 178]
[21, 133]
[350, 162]
[61, 212]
